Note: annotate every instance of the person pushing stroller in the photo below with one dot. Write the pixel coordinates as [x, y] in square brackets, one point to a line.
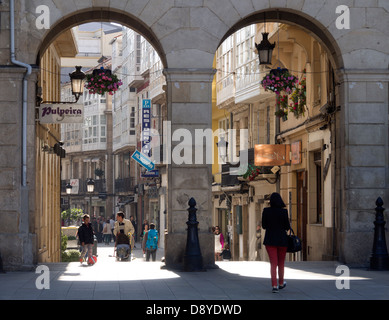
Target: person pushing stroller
[124, 231]
[122, 246]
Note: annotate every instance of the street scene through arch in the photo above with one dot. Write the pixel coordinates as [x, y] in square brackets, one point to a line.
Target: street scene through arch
[315, 193]
[238, 89]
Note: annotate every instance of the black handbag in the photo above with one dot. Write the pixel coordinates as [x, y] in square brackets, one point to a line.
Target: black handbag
[294, 242]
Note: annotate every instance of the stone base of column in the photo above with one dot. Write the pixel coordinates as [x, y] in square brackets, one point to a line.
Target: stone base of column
[175, 245]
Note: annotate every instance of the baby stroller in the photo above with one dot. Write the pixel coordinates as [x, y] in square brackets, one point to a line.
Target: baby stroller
[123, 247]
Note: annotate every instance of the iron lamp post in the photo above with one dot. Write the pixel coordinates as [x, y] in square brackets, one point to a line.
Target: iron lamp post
[90, 185]
[68, 192]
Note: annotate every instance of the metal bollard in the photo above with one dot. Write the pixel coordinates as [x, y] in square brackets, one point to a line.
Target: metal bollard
[1, 265]
[193, 260]
[379, 259]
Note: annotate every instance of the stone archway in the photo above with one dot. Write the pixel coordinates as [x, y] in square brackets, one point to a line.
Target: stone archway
[101, 15]
[186, 35]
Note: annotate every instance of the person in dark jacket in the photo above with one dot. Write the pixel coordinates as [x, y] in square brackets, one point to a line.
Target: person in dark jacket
[276, 223]
[85, 235]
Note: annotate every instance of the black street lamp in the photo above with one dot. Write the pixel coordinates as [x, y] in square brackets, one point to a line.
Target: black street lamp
[222, 147]
[68, 189]
[90, 185]
[68, 192]
[379, 259]
[77, 78]
[265, 49]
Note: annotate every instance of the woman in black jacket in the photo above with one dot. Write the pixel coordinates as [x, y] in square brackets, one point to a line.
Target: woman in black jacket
[276, 223]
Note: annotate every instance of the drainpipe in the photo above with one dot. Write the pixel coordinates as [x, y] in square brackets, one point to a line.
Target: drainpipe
[25, 84]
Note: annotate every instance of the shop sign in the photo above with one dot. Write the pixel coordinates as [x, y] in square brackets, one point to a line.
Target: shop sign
[296, 152]
[61, 113]
[271, 155]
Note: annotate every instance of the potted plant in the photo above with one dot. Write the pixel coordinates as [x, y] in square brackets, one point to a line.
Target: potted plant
[102, 81]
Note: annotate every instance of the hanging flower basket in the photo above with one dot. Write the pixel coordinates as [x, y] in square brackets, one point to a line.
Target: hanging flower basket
[102, 81]
[278, 80]
[299, 98]
[281, 82]
[254, 171]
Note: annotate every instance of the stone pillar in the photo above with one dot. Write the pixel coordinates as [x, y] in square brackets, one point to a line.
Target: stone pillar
[189, 105]
[17, 203]
[109, 207]
[362, 159]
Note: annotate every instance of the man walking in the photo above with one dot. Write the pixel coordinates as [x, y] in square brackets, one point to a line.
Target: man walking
[125, 226]
[85, 235]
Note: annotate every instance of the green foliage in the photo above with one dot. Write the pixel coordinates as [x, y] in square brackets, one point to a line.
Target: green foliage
[72, 215]
[253, 171]
[64, 242]
[70, 256]
[99, 172]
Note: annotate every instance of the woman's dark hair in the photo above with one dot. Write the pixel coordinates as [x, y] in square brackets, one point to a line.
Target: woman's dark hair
[276, 200]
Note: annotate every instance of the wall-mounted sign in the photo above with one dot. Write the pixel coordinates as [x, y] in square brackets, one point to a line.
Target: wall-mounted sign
[146, 126]
[296, 152]
[272, 154]
[75, 186]
[150, 174]
[61, 113]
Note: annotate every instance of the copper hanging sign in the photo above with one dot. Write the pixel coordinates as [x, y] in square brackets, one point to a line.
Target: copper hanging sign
[272, 154]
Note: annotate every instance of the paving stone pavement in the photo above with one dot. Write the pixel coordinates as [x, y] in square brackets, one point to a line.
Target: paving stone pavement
[138, 280]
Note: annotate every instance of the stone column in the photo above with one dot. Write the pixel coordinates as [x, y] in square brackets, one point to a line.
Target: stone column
[109, 207]
[17, 202]
[189, 105]
[362, 159]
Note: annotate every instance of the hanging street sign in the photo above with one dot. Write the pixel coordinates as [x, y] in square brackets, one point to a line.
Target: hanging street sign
[150, 174]
[143, 160]
[146, 126]
[61, 113]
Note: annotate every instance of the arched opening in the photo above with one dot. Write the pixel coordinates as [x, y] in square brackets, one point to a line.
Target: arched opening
[102, 144]
[104, 15]
[313, 28]
[272, 117]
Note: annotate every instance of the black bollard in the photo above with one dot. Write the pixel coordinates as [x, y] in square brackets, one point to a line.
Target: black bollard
[379, 259]
[193, 260]
[1, 265]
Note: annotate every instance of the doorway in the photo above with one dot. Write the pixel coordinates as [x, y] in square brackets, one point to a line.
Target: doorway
[302, 211]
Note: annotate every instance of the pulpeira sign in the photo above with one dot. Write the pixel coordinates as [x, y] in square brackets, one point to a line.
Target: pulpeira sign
[61, 113]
